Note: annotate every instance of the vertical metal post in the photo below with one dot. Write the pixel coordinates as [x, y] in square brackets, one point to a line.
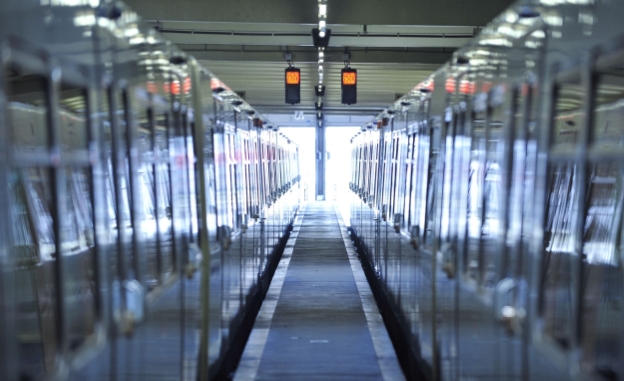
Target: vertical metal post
[117, 165]
[171, 135]
[440, 124]
[320, 158]
[100, 222]
[188, 134]
[588, 80]
[8, 344]
[59, 205]
[198, 140]
[155, 163]
[133, 169]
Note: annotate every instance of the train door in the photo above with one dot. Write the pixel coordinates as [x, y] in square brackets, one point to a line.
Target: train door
[407, 297]
[452, 178]
[247, 276]
[208, 317]
[156, 140]
[579, 276]
[395, 224]
[230, 231]
[254, 146]
[184, 214]
[481, 251]
[384, 168]
[421, 315]
[53, 187]
[222, 134]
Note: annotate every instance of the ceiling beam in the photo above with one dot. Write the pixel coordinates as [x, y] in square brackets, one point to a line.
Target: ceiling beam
[288, 119]
[310, 55]
[306, 40]
[387, 12]
[285, 28]
[262, 34]
[369, 112]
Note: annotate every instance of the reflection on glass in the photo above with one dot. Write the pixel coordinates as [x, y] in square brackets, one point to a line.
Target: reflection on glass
[560, 231]
[39, 234]
[569, 114]
[603, 280]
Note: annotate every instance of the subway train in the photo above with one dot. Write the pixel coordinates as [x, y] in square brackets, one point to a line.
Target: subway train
[486, 203]
[144, 204]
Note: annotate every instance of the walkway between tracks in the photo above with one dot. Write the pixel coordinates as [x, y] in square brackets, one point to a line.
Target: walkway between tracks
[319, 320]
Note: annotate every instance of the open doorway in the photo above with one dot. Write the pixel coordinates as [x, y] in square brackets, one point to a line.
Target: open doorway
[338, 165]
[305, 138]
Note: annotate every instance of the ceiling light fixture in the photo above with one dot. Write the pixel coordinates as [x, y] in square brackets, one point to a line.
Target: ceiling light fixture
[321, 39]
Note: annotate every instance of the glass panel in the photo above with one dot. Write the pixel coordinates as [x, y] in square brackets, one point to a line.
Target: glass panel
[609, 108]
[568, 114]
[35, 250]
[475, 194]
[491, 199]
[603, 281]
[162, 155]
[559, 252]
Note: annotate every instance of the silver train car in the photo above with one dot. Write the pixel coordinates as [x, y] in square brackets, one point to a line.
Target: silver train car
[143, 203]
[486, 203]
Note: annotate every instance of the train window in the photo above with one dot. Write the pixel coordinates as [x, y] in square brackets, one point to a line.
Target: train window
[52, 220]
[394, 176]
[603, 281]
[568, 114]
[27, 108]
[522, 114]
[374, 168]
[475, 193]
[559, 252]
[231, 155]
[609, 108]
[162, 154]
[383, 172]
[460, 147]
[77, 225]
[561, 231]
[257, 170]
[491, 195]
[155, 193]
[246, 174]
[421, 154]
[409, 173]
[484, 190]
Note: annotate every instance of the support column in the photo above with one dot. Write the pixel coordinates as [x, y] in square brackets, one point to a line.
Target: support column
[320, 157]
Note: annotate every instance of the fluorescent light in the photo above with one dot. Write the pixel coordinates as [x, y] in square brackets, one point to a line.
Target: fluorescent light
[322, 10]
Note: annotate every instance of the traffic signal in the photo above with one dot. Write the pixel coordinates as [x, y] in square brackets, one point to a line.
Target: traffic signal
[293, 85]
[349, 86]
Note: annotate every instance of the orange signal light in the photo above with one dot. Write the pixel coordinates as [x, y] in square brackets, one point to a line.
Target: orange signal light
[349, 77]
[293, 77]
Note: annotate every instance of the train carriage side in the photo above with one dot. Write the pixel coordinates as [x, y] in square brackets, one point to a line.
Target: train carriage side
[101, 182]
[492, 125]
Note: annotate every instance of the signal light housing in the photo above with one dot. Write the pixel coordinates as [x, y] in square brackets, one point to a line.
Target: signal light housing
[292, 80]
[348, 78]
